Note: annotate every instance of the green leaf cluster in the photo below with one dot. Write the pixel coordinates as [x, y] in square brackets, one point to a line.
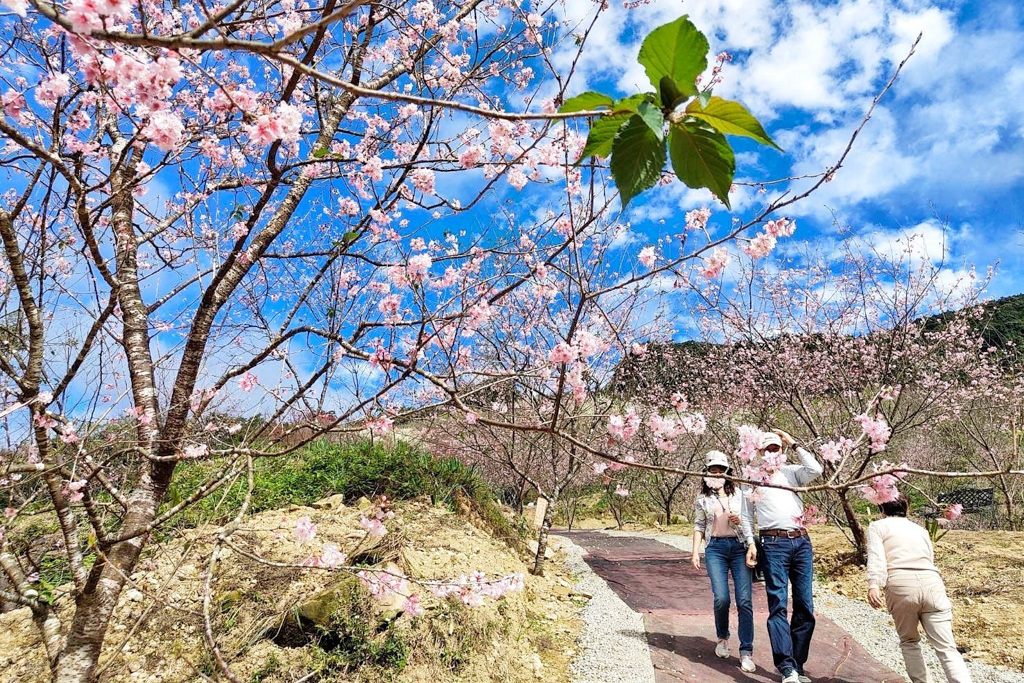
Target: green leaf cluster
[676, 122]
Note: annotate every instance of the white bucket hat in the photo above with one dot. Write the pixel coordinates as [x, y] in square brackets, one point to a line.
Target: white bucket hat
[717, 458]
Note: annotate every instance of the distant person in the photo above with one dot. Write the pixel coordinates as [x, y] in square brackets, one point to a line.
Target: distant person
[787, 558]
[901, 560]
[724, 518]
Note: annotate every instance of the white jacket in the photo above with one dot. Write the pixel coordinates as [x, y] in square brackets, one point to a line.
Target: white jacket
[704, 518]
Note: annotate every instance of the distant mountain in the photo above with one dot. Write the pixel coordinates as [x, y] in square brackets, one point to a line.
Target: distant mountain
[1000, 323]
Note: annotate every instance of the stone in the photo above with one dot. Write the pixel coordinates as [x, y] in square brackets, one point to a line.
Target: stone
[363, 503]
[135, 595]
[532, 547]
[335, 502]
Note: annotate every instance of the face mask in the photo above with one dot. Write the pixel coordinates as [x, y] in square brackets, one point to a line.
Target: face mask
[714, 482]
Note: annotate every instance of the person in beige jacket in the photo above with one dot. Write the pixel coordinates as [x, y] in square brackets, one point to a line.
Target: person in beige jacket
[901, 560]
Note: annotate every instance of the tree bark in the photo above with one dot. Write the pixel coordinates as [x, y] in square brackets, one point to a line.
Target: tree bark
[856, 529]
[542, 538]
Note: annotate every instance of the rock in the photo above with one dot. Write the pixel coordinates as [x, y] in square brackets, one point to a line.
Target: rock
[230, 598]
[135, 595]
[581, 594]
[538, 666]
[363, 503]
[335, 502]
[532, 547]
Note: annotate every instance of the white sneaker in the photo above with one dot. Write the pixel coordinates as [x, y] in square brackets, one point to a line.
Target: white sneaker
[792, 677]
[747, 663]
[722, 649]
[803, 678]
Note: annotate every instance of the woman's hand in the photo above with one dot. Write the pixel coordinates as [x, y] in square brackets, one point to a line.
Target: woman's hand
[875, 598]
[734, 519]
[752, 556]
[695, 560]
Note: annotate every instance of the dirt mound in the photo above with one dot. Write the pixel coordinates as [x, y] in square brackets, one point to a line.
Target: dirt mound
[275, 622]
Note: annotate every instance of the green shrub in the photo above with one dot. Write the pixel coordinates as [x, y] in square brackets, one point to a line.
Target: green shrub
[399, 471]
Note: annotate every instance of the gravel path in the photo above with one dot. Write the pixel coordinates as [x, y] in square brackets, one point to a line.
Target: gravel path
[872, 628]
[613, 647]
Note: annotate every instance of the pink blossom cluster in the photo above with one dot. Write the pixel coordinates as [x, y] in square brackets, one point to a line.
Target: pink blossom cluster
[750, 438]
[763, 243]
[834, 451]
[697, 219]
[247, 382]
[73, 490]
[330, 557]
[475, 588]
[623, 427]
[284, 123]
[882, 488]
[715, 264]
[305, 530]
[811, 515]
[373, 521]
[648, 257]
[380, 425]
[953, 512]
[876, 430]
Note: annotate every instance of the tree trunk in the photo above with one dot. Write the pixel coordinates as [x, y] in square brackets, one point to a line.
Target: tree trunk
[856, 529]
[542, 539]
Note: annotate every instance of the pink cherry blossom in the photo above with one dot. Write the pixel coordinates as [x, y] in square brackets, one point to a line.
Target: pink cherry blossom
[876, 429]
[698, 218]
[373, 526]
[331, 557]
[648, 256]
[419, 267]
[54, 87]
[562, 353]
[621, 491]
[412, 606]
[715, 263]
[472, 155]
[165, 130]
[247, 382]
[304, 530]
[423, 180]
[953, 512]
[381, 425]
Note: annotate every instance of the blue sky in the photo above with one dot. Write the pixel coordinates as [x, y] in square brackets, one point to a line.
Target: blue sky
[943, 154]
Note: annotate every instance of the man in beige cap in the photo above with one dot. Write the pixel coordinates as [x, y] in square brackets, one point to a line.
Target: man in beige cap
[787, 557]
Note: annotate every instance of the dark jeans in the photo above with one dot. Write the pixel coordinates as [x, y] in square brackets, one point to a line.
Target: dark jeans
[724, 555]
[789, 561]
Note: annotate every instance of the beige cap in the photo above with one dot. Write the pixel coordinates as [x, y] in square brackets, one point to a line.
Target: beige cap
[717, 458]
[771, 438]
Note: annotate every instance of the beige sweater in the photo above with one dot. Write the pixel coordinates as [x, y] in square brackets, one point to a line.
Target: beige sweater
[896, 543]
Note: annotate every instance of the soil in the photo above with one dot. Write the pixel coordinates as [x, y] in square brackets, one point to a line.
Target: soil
[156, 633]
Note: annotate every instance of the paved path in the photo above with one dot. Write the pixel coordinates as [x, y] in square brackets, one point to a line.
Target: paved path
[657, 580]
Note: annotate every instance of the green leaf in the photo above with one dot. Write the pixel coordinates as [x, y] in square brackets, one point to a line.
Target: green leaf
[320, 153]
[586, 101]
[631, 103]
[637, 158]
[599, 140]
[653, 117]
[677, 50]
[731, 118]
[704, 96]
[702, 158]
[671, 95]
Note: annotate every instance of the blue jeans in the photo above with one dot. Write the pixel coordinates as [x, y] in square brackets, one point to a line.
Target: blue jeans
[789, 561]
[722, 556]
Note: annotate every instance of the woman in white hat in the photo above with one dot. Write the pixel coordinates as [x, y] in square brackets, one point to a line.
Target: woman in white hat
[725, 519]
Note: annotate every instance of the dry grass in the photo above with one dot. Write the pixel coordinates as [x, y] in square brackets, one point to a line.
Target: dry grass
[513, 639]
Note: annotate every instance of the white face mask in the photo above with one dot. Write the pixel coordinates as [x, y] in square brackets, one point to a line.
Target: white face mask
[714, 482]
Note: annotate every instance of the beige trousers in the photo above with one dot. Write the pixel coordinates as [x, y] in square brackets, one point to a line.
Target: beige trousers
[919, 597]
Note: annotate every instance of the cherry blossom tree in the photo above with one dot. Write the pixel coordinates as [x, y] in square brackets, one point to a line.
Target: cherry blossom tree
[249, 208]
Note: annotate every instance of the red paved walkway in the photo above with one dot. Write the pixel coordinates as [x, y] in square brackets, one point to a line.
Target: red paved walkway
[657, 580]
